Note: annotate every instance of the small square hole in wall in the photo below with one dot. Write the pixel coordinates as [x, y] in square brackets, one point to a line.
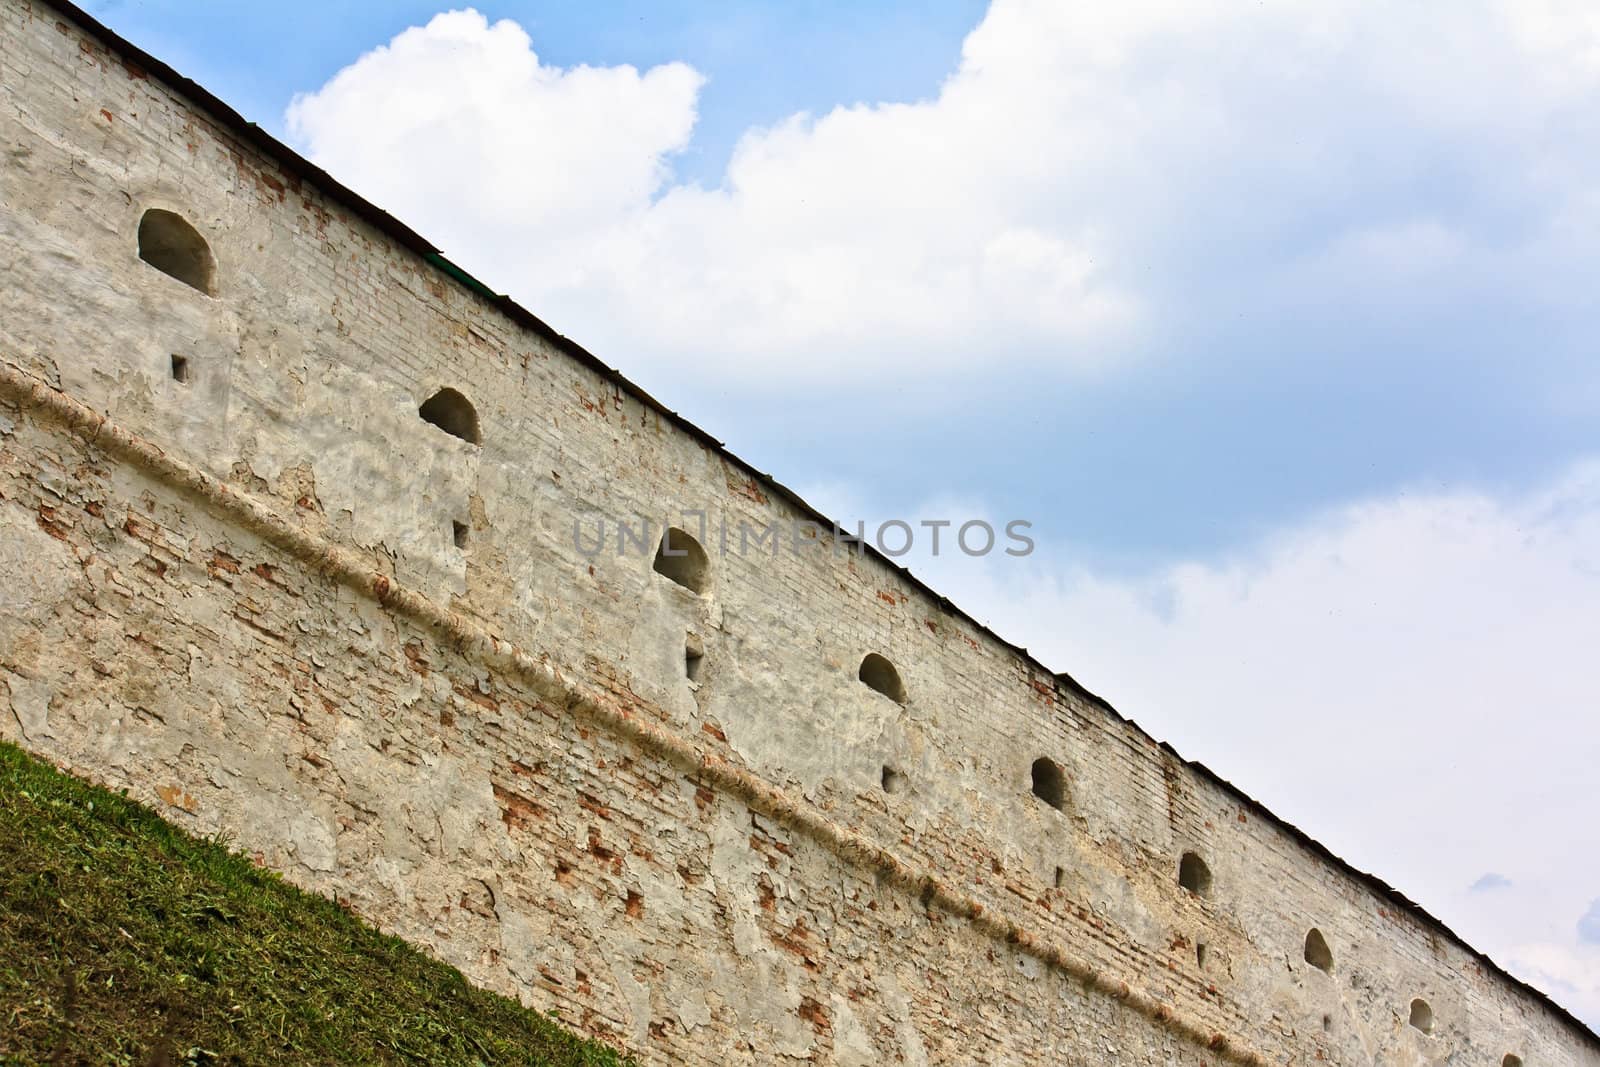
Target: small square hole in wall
[458, 533]
[694, 655]
[180, 369]
[893, 780]
[1200, 954]
[1061, 877]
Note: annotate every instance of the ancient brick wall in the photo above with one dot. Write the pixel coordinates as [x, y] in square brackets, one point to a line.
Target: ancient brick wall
[273, 601]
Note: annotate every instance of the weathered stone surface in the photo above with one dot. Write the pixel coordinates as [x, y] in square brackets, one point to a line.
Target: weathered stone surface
[184, 614]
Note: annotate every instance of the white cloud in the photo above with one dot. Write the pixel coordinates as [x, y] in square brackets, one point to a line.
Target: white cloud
[1411, 680]
[459, 126]
[1085, 167]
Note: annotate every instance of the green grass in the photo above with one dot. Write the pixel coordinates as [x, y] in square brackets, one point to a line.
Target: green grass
[124, 940]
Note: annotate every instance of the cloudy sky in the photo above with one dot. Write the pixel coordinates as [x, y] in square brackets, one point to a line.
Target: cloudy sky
[1278, 321]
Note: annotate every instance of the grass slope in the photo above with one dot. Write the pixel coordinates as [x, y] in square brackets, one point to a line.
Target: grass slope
[124, 940]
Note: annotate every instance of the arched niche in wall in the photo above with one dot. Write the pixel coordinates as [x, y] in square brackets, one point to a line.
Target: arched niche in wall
[1422, 1015]
[1049, 782]
[877, 673]
[1194, 875]
[453, 413]
[1318, 954]
[175, 248]
[680, 558]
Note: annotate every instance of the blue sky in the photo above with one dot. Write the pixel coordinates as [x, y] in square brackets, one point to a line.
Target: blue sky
[1279, 324]
[765, 60]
